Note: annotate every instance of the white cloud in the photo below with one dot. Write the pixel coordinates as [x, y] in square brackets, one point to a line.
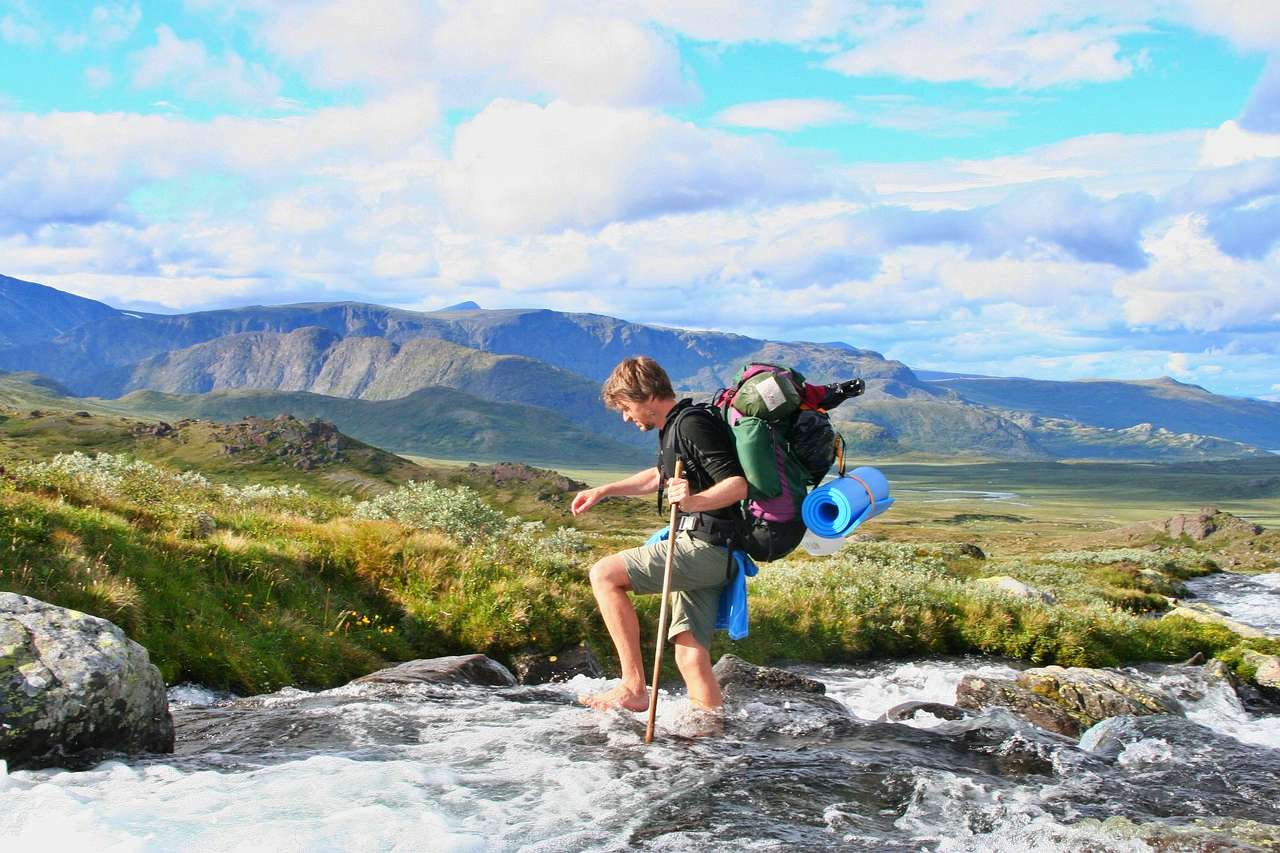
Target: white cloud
[187, 65]
[1192, 285]
[1028, 45]
[519, 167]
[576, 51]
[1230, 144]
[98, 78]
[14, 30]
[786, 114]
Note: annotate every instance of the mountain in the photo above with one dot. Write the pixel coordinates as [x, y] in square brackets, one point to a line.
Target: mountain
[548, 365]
[1164, 403]
[31, 313]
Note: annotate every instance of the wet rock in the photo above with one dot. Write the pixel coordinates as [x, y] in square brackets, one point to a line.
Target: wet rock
[731, 669]
[457, 669]
[1204, 613]
[1267, 675]
[907, 710]
[1013, 586]
[975, 693]
[74, 685]
[1092, 695]
[538, 668]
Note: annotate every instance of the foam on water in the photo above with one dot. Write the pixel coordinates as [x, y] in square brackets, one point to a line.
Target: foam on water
[872, 690]
[1213, 703]
[1251, 599]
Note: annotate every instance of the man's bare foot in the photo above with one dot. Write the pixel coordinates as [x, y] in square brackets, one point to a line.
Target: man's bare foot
[621, 696]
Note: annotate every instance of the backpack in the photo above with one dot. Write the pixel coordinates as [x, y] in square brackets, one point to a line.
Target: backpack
[786, 445]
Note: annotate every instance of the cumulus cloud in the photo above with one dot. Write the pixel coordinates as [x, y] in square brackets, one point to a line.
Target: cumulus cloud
[576, 51]
[187, 65]
[521, 167]
[108, 24]
[786, 114]
[1027, 46]
[1192, 285]
[1230, 144]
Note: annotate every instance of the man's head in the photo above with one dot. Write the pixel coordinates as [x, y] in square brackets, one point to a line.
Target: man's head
[641, 390]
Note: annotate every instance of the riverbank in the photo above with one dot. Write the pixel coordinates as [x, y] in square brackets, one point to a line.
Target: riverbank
[250, 588]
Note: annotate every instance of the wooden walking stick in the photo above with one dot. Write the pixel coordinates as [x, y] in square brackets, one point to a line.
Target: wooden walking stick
[662, 613]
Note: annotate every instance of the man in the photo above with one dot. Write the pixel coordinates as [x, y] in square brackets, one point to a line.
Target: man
[708, 494]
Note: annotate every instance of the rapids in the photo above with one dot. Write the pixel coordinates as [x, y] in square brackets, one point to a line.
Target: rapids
[456, 768]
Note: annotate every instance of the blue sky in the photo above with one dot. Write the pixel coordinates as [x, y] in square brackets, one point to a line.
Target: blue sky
[1042, 189]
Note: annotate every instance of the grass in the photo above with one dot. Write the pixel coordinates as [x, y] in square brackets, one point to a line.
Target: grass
[255, 575]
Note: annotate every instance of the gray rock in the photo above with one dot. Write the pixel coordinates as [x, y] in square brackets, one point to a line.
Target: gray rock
[72, 685]
[457, 669]
[1093, 695]
[538, 668]
[907, 710]
[979, 694]
[1013, 586]
[968, 549]
[731, 669]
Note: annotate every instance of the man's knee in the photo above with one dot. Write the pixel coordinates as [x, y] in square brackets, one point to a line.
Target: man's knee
[689, 653]
[610, 571]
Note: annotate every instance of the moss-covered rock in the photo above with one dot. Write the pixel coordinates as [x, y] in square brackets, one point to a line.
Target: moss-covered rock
[70, 684]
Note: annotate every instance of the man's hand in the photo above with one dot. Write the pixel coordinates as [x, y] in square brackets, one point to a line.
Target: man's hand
[586, 499]
[677, 490]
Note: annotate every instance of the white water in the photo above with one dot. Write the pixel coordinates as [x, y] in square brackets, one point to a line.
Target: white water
[1251, 599]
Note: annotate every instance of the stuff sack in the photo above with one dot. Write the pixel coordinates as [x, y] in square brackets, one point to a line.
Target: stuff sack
[786, 445]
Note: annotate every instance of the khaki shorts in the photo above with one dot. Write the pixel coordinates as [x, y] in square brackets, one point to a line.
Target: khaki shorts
[698, 574]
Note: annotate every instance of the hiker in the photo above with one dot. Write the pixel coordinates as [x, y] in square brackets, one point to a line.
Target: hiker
[708, 494]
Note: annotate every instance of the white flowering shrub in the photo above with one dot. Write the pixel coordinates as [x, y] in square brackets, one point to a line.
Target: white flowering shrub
[458, 513]
[1108, 556]
[115, 475]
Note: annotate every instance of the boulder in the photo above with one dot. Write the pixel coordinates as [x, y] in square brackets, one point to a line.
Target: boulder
[1204, 613]
[975, 693]
[1267, 672]
[908, 710]
[73, 686]
[538, 668]
[968, 549]
[457, 669]
[1013, 586]
[731, 669]
[1092, 695]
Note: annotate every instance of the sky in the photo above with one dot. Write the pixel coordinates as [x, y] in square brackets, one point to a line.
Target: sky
[1055, 190]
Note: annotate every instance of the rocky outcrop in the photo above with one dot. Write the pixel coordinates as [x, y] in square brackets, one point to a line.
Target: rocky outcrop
[73, 686]
[1066, 701]
[975, 693]
[1015, 587]
[733, 670]
[538, 668]
[457, 669]
[1206, 522]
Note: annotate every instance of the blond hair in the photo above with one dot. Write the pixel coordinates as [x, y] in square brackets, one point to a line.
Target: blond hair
[636, 380]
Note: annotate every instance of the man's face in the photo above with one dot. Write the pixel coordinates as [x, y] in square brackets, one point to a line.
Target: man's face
[641, 414]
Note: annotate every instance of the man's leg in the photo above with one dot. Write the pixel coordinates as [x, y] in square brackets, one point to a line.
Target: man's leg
[610, 582]
[694, 662]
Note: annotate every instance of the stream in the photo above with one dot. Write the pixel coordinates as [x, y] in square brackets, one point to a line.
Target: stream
[465, 768]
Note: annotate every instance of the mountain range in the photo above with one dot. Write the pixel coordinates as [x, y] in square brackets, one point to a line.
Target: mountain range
[472, 383]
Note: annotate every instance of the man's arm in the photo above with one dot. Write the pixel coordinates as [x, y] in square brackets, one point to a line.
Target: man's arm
[725, 493]
[640, 483]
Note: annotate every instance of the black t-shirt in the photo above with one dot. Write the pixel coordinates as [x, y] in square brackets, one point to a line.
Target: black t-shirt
[705, 443]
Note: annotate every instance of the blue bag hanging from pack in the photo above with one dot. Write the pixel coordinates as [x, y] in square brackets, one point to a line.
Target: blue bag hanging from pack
[731, 612]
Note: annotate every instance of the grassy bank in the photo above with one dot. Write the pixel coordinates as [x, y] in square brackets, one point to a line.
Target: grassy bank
[250, 587]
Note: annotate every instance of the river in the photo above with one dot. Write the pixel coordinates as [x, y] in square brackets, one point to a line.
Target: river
[461, 768]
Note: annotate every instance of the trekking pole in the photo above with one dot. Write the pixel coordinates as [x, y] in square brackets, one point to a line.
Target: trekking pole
[662, 613]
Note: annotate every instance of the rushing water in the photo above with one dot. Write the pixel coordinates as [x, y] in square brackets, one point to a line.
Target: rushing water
[480, 769]
[1251, 599]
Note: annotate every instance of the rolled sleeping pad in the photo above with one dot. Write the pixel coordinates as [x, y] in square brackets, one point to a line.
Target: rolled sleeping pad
[835, 510]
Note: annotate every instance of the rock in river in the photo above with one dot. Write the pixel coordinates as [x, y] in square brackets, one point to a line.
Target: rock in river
[72, 686]
[457, 669]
